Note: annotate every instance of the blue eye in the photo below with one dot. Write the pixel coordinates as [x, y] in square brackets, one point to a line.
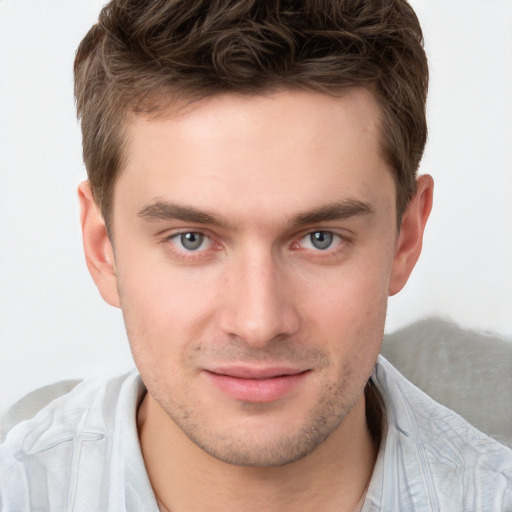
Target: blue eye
[321, 240]
[191, 241]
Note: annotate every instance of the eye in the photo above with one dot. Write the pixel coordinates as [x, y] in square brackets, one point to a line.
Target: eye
[320, 240]
[191, 241]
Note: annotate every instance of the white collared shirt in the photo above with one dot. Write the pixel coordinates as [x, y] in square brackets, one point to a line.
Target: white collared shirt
[81, 453]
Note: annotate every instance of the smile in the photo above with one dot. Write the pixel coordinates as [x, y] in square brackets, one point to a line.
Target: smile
[256, 384]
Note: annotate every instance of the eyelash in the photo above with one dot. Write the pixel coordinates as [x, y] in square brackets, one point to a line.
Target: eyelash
[190, 255]
[328, 249]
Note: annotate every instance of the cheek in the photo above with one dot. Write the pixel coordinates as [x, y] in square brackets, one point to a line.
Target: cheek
[164, 308]
[355, 291]
[348, 309]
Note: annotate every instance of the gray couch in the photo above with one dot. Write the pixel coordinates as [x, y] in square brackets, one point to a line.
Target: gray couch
[465, 370]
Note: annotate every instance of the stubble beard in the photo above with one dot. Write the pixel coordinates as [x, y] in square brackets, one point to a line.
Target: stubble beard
[243, 449]
[334, 402]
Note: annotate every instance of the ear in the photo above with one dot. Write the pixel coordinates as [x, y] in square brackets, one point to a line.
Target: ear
[99, 254]
[410, 239]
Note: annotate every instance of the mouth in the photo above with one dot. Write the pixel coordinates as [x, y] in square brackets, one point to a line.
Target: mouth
[252, 384]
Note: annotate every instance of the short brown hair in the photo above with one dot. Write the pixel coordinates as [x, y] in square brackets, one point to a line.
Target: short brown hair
[143, 51]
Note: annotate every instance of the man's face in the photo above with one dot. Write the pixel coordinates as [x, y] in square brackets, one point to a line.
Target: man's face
[254, 241]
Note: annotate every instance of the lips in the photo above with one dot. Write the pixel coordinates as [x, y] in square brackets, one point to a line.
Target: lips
[251, 384]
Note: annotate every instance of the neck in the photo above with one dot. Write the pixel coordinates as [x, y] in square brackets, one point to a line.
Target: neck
[185, 478]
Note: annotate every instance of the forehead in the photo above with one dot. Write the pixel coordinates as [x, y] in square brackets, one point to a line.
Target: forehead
[285, 151]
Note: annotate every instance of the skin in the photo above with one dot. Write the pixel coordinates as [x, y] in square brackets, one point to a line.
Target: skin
[256, 177]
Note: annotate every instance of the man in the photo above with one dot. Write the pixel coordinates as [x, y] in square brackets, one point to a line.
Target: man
[252, 202]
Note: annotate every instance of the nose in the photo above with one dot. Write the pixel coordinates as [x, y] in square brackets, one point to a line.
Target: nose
[257, 305]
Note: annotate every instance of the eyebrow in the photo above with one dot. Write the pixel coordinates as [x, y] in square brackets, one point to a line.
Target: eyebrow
[339, 210]
[163, 210]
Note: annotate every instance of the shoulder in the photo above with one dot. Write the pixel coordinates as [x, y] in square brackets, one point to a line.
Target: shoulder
[30, 404]
[467, 370]
[446, 458]
[39, 456]
[58, 409]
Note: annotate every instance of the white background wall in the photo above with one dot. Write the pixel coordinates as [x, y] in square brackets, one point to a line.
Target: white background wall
[53, 323]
